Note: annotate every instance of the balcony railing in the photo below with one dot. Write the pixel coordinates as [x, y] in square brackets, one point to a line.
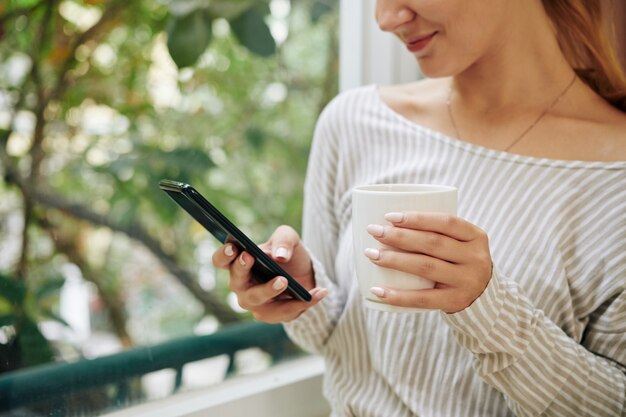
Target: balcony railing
[292, 388]
[47, 387]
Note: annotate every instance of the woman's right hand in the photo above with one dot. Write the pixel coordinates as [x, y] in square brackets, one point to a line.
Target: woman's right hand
[265, 300]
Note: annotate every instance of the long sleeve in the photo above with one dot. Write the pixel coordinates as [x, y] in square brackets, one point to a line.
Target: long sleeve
[320, 235]
[535, 364]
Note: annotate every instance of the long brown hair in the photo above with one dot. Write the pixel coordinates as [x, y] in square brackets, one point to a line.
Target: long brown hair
[587, 39]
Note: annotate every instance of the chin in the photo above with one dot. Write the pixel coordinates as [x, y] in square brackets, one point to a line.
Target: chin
[433, 68]
[430, 71]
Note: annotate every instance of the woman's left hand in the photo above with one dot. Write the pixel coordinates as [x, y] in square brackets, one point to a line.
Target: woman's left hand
[440, 247]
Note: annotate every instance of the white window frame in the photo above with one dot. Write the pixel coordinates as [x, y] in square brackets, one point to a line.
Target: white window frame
[367, 54]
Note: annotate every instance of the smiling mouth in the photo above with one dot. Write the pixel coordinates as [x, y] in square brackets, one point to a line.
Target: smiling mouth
[418, 43]
[412, 41]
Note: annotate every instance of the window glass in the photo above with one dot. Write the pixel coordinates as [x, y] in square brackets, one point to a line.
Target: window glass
[99, 101]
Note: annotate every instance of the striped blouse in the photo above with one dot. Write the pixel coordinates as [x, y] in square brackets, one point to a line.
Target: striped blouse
[547, 336]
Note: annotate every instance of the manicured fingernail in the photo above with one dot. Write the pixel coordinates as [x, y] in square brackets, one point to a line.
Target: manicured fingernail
[279, 283]
[242, 261]
[321, 293]
[372, 253]
[228, 250]
[394, 217]
[376, 230]
[378, 292]
[281, 253]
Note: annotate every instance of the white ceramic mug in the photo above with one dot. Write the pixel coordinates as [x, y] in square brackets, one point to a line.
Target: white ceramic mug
[370, 203]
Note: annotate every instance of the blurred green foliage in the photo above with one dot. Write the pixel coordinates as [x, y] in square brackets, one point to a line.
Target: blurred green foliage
[22, 306]
[100, 99]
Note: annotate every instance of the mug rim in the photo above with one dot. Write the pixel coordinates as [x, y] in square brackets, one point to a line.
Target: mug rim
[410, 188]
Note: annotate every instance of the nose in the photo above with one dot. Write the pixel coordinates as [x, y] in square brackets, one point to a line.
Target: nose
[390, 15]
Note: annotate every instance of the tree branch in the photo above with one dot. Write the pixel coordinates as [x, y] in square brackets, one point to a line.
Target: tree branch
[10, 173]
[22, 265]
[115, 308]
[20, 11]
[63, 80]
[36, 151]
[210, 302]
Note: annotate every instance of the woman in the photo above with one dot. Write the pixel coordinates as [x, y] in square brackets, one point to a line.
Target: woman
[529, 310]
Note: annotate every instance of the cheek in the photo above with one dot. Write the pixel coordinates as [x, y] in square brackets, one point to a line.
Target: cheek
[465, 41]
[454, 51]
[460, 46]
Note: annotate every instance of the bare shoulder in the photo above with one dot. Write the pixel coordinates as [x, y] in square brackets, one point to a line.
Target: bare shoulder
[422, 93]
[421, 102]
[617, 136]
[602, 132]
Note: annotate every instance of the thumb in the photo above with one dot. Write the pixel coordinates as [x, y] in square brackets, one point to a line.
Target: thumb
[283, 243]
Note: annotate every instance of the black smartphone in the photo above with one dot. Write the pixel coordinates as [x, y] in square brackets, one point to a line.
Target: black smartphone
[264, 268]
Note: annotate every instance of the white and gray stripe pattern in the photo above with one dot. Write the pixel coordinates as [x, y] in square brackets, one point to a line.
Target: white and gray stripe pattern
[548, 335]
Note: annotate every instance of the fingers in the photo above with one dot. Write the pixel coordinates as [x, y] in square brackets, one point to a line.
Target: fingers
[421, 265]
[285, 247]
[259, 294]
[282, 244]
[463, 283]
[439, 247]
[228, 257]
[268, 301]
[428, 243]
[446, 299]
[442, 223]
[262, 300]
[286, 310]
[240, 276]
[223, 257]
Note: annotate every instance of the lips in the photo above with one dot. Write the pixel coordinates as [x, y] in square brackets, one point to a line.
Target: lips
[417, 43]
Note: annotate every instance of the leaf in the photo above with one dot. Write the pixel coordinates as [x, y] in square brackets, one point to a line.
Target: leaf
[253, 32]
[319, 9]
[35, 348]
[52, 315]
[4, 136]
[255, 137]
[5, 306]
[25, 3]
[8, 320]
[182, 160]
[188, 37]
[12, 289]
[228, 9]
[48, 288]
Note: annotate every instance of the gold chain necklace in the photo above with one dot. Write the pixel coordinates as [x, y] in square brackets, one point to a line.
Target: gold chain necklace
[556, 100]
